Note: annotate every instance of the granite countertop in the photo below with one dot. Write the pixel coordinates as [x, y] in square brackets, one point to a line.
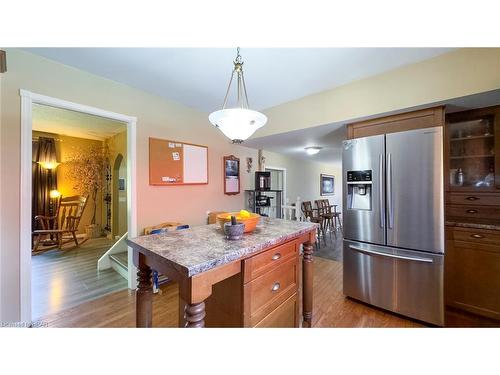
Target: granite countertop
[199, 249]
[473, 225]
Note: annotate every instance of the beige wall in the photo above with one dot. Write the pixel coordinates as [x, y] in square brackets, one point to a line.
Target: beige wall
[157, 117]
[455, 74]
[65, 146]
[303, 177]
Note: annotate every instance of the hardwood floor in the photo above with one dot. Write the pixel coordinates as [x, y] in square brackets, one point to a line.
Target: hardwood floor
[330, 307]
[65, 278]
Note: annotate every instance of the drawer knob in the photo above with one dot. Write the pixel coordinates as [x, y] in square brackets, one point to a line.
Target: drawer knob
[471, 211]
[477, 235]
[276, 256]
[275, 287]
[472, 198]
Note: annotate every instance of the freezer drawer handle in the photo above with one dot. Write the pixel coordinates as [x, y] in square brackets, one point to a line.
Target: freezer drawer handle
[371, 252]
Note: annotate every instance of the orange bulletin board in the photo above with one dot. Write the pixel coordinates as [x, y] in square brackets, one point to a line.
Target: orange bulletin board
[177, 163]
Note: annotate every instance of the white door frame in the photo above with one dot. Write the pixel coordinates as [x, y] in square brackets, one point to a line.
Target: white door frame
[283, 197]
[27, 100]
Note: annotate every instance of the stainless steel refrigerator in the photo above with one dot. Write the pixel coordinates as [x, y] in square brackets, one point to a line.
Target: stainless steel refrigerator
[394, 222]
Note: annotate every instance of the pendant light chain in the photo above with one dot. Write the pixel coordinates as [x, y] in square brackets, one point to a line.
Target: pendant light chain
[241, 89]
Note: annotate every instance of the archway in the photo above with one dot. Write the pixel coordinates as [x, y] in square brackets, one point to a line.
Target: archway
[115, 198]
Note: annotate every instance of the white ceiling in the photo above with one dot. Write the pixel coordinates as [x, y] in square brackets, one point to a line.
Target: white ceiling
[74, 124]
[198, 77]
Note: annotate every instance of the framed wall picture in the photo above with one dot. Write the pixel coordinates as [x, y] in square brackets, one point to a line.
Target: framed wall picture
[327, 184]
[231, 175]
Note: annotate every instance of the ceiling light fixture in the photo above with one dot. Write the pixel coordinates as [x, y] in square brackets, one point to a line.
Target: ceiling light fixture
[238, 123]
[312, 150]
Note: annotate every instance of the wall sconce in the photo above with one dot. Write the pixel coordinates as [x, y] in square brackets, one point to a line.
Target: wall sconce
[49, 164]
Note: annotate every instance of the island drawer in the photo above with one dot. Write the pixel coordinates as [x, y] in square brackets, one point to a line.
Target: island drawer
[264, 294]
[480, 199]
[284, 316]
[472, 212]
[261, 263]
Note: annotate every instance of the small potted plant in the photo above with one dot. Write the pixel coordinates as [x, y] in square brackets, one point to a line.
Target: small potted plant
[86, 169]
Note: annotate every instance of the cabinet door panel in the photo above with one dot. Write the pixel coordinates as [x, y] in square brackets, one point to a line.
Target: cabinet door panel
[473, 277]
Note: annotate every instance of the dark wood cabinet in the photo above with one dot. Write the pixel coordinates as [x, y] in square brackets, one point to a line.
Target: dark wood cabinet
[424, 118]
[472, 269]
[472, 258]
[472, 145]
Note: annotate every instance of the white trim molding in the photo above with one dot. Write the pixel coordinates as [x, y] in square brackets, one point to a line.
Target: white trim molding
[27, 100]
[283, 195]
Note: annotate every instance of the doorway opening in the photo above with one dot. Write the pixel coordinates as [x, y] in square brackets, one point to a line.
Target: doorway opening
[78, 211]
[278, 184]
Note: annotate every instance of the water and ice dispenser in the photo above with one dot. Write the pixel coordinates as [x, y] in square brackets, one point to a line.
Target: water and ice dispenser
[359, 190]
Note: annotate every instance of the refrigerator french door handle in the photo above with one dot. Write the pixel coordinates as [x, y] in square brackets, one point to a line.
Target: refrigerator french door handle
[371, 252]
[390, 208]
[381, 191]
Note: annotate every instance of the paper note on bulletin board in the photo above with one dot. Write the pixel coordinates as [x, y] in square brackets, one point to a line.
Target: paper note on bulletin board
[177, 163]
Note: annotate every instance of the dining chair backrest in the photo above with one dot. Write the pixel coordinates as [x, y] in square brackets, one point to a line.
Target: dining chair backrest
[307, 209]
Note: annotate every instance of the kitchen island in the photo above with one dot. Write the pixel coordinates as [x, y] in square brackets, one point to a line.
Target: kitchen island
[252, 282]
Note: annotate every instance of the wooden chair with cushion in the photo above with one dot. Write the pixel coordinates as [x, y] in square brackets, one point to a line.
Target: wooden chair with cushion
[64, 222]
[325, 211]
[308, 212]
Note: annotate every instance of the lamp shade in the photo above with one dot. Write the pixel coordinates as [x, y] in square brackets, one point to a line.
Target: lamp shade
[238, 124]
[49, 164]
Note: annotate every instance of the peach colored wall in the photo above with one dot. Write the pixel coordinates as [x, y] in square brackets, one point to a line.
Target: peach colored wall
[64, 148]
[157, 117]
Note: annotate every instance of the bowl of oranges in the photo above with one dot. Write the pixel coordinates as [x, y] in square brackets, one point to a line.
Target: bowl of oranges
[248, 218]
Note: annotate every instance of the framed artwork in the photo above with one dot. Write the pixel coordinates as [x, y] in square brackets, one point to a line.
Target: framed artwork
[231, 175]
[327, 184]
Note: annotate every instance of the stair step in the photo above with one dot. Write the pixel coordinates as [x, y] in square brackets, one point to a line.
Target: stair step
[121, 259]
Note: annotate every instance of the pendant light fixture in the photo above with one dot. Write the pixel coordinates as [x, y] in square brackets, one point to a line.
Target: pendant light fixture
[240, 122]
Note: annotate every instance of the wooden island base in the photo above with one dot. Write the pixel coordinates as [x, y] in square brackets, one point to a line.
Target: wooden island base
[260, 290]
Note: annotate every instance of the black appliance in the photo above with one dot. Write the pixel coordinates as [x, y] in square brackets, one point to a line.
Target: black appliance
[262, 200]
[262, 180]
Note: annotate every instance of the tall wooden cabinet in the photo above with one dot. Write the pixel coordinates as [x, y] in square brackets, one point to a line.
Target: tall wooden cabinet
[472, 180]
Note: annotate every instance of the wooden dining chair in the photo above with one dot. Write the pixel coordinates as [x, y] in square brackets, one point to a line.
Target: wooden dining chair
[65, 221]
[308, 212]
[325, 211]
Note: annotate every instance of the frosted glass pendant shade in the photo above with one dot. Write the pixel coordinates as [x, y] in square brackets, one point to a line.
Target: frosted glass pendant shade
[238, 124]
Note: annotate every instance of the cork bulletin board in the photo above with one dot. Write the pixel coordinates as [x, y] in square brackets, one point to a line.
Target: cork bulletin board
[177, 163]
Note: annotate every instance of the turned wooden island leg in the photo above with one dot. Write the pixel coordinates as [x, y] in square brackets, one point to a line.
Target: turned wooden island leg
[194, 315]
[144, 296]
[307, 284]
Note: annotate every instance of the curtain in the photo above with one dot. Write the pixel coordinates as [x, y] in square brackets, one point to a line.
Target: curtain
[44, 180]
